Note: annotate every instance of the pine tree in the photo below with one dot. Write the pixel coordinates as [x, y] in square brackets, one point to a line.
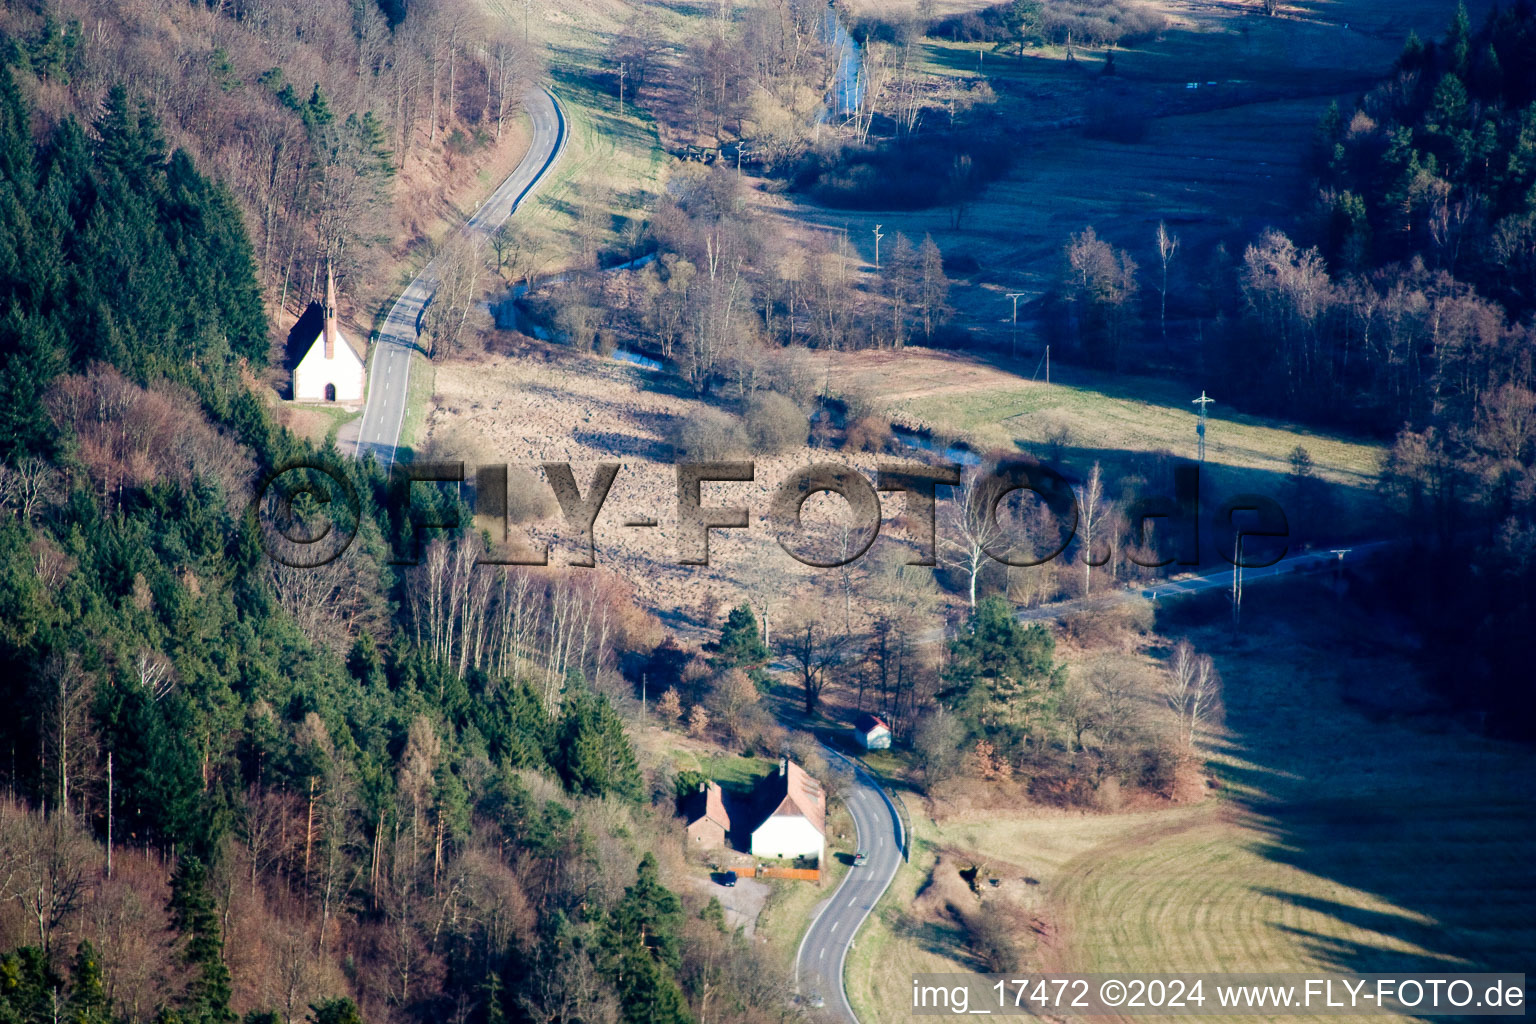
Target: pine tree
[641, 940]
[596, 757]
[335, 1011]
[193, 913]
[88, 1003]
[1458, 40]
[741, 642]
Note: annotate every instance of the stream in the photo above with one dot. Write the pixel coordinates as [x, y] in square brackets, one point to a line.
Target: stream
[848, 81]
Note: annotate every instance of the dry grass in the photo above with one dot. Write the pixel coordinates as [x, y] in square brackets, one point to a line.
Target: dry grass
[560, 406]
[1348, 835]
[312, 422]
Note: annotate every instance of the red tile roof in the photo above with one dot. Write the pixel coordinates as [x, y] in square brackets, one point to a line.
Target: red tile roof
[711, 807]
[797, 794]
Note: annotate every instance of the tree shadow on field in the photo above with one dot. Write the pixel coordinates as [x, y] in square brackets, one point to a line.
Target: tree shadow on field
[1406, 835]
[940, 938]
[1153, 391]
[1325, 512]
[627, 445]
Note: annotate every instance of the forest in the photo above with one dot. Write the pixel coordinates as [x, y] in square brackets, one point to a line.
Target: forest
[235, 791]
[319, 134]
[1410, 314]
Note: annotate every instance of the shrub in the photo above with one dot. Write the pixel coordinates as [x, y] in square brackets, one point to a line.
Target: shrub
[913, 173]
[708, 434]
[774, 423]
[869, 434]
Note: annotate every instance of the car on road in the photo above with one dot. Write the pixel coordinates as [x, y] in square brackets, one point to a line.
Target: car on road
[729, 881]
[816, 1001]
[860, 859]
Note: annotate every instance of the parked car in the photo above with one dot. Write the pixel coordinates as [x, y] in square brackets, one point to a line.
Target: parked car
[860, 858]
[729, 881]
[816, 1001]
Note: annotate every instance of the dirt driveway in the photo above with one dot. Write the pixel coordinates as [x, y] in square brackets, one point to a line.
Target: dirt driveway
[742, 902]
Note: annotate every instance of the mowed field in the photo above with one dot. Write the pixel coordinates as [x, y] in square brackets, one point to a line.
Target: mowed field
[1083, 416]
[1353, 830]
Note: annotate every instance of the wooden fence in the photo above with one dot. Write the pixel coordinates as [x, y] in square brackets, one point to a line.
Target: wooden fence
[801, 874]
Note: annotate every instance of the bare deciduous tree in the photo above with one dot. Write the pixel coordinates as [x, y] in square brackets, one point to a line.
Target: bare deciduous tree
[969, 529]
[1192, 689]
[1091, 511]
[45, 864]
[1167, 245]
[814, 648]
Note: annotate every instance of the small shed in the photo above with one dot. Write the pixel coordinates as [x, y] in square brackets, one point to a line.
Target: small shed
[873, 734]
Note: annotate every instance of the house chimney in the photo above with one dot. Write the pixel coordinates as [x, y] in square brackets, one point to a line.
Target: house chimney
[783, 766]
[329, 310]
[703, 787]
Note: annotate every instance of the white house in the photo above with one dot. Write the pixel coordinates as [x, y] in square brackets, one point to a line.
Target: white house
[795, 825]
[332, 369]
[873, 734]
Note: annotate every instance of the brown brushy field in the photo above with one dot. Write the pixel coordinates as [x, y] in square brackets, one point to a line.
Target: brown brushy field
[1353, 829]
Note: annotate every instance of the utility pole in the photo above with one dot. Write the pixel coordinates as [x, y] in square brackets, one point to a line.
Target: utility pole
[642, 695]
[1338, 568]
[1202, 402]
[623, 70]
[1237, 581]
[1016, 296]
[878, 236]
[527, 6]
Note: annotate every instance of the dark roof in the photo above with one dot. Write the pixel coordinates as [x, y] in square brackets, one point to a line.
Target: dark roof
[866, 722]
[305, 330]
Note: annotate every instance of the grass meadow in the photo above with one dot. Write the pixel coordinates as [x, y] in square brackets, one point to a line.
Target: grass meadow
[1126, 423]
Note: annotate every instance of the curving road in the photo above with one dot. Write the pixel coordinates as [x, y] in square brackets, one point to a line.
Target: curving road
[824, 949]
[820, 964]
[389, 377]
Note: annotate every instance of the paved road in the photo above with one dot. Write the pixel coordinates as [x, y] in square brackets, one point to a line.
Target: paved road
[1294, 563]
[824, 950]
[379, 430]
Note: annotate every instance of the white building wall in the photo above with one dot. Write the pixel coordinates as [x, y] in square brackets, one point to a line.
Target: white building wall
[787, 836]
[876, 739]
[344, 370]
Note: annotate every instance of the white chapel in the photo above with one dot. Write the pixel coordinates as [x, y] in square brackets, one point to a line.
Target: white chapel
[332, 369]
